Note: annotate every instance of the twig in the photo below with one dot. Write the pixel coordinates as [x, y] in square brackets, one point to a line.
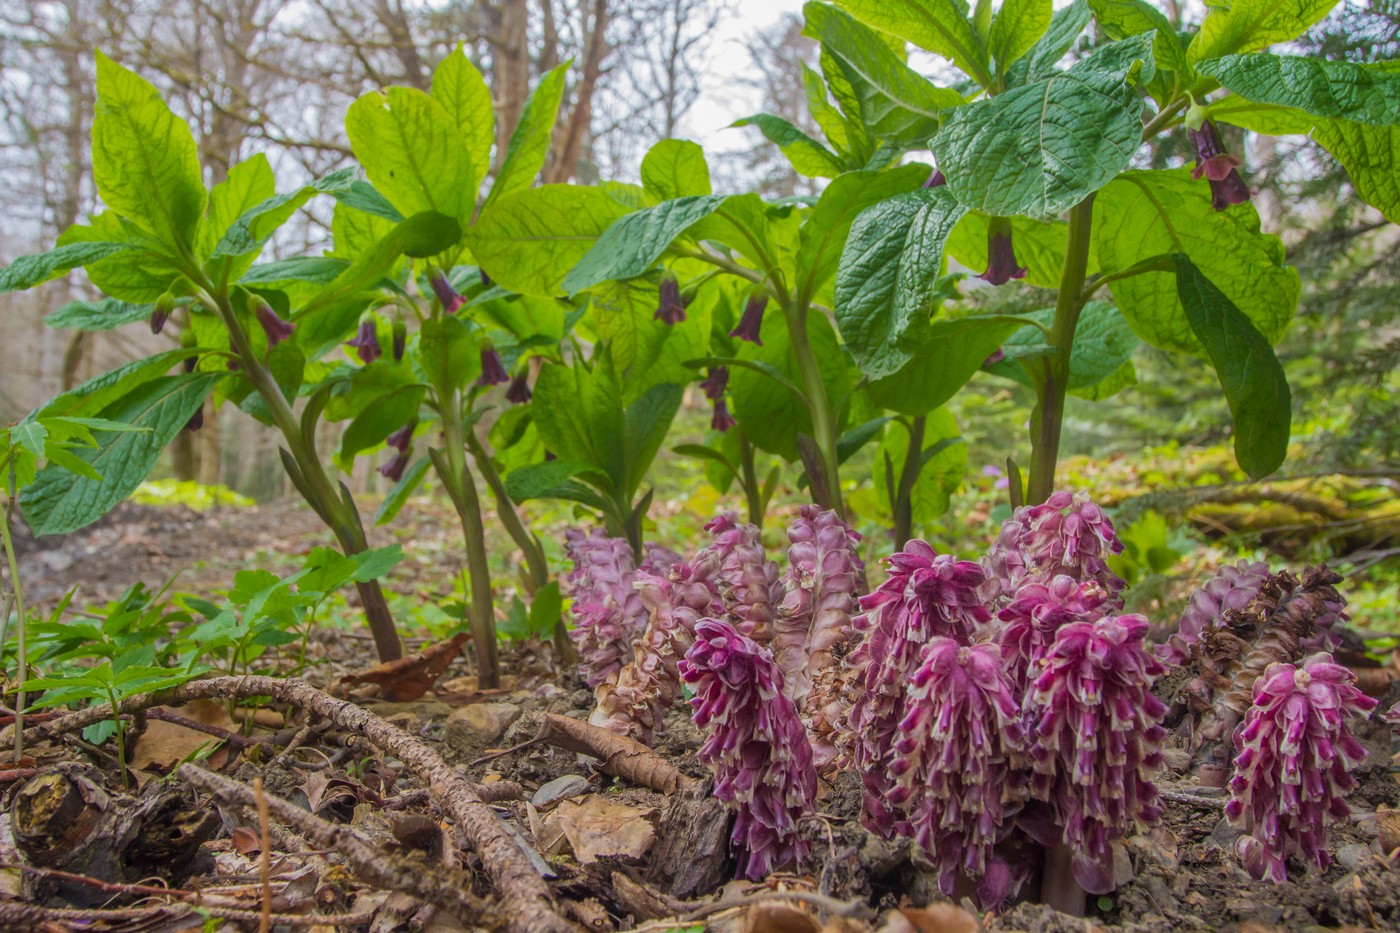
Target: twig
[281, 757]
[1195, 800]
[264, 857]
[526, 900]
[619, 755]
[369, 863]
[335, 921]
[218, 732]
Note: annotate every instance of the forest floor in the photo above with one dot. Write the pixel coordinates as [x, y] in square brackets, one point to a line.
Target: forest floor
[616, 853]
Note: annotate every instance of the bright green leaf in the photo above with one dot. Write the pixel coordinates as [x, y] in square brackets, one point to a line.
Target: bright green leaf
[529, 144]
[461, 90]
[675, 168]
[1371, 156]
[1018, 26]
[1066, 26]
[632, 243]
[807, 156]
[28, 271]
[951, 352]
[412, 151]
[940, 26]
[1322, 88]
[1251, 25]
[1120, 19]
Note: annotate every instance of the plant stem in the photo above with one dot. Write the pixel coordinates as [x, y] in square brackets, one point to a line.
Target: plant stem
[1058, 887]
[461, 487]
[22, 658]
[328, 503]
[908, 476]
[752, 493]
[1049, 414]
[823, 419]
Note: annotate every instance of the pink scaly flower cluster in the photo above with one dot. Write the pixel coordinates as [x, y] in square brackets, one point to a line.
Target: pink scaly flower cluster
[927, 594]
[822, 584]
[747, 582]
[1067, 534]
[959, 753]
[1096, 739]
[1230, 590]
[608, 612]
[1031, 621]
[756, 745]
[1292, 774]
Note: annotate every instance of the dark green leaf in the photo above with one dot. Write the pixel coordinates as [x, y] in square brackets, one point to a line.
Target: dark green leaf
[105, 314]
[1123, 18]
[1321, 88]
[1018, 26]
[449, 354]
[1065, 28]
[28, 271]
[807, 156]
[1103, 343]
[398, 496]
[632, 243]
[952, 351]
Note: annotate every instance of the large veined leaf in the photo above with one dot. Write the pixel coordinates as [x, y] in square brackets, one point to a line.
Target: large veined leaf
[106, 314]
[1371, 156]
[1018, 26]
[253, 227]
[528, 241]
[632, 243]
[769, 414]
[60, 501]
[646, 351]
[1250, 374]
[1251, 25]
[1322, 88]
[807, 156]
[86, 400]
[450, 357]
[1039, 247]
[842, 134]
[247, 184]
[28, 271]
[940, 26]
[939, 476]
[951, 352]
[461, 90]
[140, 273]
[413, 152]
[896, 103]
[144, 160]
[1103, 343]
[529, 143]
[1120, 19]
[1065, 28]
[1040, 149]
[675, 168]
[888, 267]
[1142, 215]
[824, 231]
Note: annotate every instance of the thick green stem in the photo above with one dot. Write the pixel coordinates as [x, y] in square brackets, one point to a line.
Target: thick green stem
[823, 418]
[326, 501]
[908, 476]
[1049, 414]
[22, 657]
[752, 493]
[461, 487]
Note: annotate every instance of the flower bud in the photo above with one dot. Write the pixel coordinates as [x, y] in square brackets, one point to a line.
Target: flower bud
[448, 296]
[670, 308]
[493, 371]
[196, 420]
[400, 339]
[401, 438]
[366, 342]
[721, 420]
[277, 330]
[519, 392]
[751, 321]
[165, 304]
[936, 180]
[1001, 257]
[394, 468]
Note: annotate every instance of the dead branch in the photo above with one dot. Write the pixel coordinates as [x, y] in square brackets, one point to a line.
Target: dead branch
[619, 755]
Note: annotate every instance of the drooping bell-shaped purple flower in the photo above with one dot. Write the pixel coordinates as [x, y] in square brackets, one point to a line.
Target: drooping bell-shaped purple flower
[750, 324]
[366, 342]
[721, 420]
[671, 307]
[400, 341]
[493, 371]
[196, 420]
[519, 392]
[1293, 772]
[447, 296]
[277, 330]
[715, 382]
[401, 438]
[393, 470]
[755, 744]
[485, 278]
[165, 304]
[1001, 256]
[1218, 166]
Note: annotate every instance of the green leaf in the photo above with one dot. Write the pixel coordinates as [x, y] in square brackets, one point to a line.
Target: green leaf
[895, 102]
[100, 391]
[1018, 26]
[247, 184]
[646, 351]
[1065, 28]
[371, 426]
[1251, 25]
[144, 160]
[256, 225]
[28, 271]
[30, 435]
[1121, 19]
[951, 352]
[579, 415]
[1040, 149]
[1371, 156]
[888, 267]
[353, 231]
[1269, 119]
[60, 502]
[632, 243]
[825, 229]
[1123, 377]
[1103, 343]
[287, 364]
[362, 196]
[398, 496]
[940, 26]
[1249, 372]
[1146, 214]
[138, 274]
[317, 270]
[646, 422]
[461, 90]
[528, 241]
[1039, 246]
[807, 156]
[675, 168]
[843, 135]
[529, 143]
[1321, 88]
[449, 354]
[939, 476]
[412, 151]
[376, 562]
[551, 480]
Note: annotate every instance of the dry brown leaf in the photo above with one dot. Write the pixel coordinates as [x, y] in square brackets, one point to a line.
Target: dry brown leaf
[1388, 828]
[409, 678]
[597, 827]
[774, 917]
[165, 744]
[935, 918]
[245, 841]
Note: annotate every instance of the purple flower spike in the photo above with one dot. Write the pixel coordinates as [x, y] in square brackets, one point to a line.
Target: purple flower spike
[1067, 534]
[608, 612]
[366, 342]
[493, 371]
[957, 759]
[1097, 739]
[926, 595]
[936, 180]
[715, 382]
[401, 438]
[447, 296]
[519, 392]
[400, 340]
[1001, 256]
[745, 580]
[277, 330]
[394, 468]
[1030, 623]
[721, 420]
[751, 321]
[671, 308]
[755, 745]
[1218, 166]
[1232, 590]
[1293, 772]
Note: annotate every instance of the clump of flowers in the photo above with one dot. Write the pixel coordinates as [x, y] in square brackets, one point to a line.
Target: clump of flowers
[1096, 740]
[1230, 590]
[755, 745]
[608, 612]
[1067, 534]
[1292, 774]
[1030, 623]
[959, 749]
[746, 580]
